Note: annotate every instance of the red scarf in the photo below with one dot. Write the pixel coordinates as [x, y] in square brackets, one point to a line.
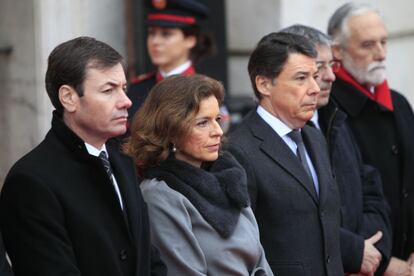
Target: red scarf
[382, 93]
[188, 72]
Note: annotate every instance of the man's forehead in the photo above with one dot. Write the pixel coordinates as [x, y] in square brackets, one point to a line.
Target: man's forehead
[297, 62]
[117, 71]
[367, 26]
[324, 53]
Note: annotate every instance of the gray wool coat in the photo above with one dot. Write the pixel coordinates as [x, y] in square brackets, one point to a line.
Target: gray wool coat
[189, 245]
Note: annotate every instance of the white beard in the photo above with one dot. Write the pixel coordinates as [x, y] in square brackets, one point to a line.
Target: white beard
[374, 74]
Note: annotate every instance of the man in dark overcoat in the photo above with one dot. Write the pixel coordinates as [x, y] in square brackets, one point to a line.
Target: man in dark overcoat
[293, 193]
[71, 206]
[380, 118]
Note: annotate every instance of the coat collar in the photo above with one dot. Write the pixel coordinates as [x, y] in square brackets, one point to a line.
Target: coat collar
[122, 166]
[349, 98]
[218, 193]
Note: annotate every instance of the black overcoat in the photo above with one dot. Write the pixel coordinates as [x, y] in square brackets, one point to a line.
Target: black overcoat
[386, 141]
[364, 209]
[60, 214]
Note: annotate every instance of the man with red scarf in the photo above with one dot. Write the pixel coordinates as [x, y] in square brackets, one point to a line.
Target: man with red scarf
[381, 119]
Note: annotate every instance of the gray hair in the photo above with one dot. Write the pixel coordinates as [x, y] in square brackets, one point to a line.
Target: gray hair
[337, 27]
[315, 36]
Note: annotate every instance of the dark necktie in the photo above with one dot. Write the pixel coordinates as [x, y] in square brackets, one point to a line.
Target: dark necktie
[296, 136]
[108, 169]
[106, 164]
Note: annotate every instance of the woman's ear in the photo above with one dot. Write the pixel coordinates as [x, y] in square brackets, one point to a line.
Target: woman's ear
[191, 41]
[68, 97]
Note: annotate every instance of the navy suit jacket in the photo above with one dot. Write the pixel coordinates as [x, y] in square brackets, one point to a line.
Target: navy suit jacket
[299, 230]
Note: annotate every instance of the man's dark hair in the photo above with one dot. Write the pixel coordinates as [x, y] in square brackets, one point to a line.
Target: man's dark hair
[69, 61]
[272, 52]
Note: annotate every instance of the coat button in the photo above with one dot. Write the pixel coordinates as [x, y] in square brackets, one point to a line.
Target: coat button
[394, 149]
[328, 259]
[405, 193]
[404, 237]
[123, 254]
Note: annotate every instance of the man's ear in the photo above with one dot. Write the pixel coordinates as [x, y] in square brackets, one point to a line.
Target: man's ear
[68, 98]
[337, 51]
[263, 85]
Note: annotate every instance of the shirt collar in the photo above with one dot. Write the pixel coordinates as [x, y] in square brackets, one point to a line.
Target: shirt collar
[177, 71]
[277, 125]
[315, 119]
[94, 151]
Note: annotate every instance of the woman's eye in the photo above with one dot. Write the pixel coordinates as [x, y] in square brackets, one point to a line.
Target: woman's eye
[202, 123]
[166, 34]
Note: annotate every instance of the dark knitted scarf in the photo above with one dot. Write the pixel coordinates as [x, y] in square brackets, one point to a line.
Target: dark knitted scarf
[218, 193]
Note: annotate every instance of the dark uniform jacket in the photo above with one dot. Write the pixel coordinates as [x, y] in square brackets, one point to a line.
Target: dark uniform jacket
[386, 141]
[298, 229]
[364, 209]
[60, 214]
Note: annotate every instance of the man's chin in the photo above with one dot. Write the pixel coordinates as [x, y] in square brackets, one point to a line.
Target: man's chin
[376, 77]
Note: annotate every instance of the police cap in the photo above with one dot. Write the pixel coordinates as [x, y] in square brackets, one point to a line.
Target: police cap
[175, 13]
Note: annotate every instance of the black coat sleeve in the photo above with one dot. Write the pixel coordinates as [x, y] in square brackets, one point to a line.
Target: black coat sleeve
[376, 213]
[33, 228]
[4, 265]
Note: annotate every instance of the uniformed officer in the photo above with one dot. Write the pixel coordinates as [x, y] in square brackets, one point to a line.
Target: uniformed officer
[175, 42]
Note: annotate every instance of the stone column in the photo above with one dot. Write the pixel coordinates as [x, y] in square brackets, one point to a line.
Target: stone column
[32, 28]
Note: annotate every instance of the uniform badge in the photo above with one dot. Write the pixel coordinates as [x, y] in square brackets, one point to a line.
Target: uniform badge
[159, 4]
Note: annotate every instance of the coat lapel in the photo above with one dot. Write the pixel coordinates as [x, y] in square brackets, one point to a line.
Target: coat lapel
[124, 174]
[274, 146]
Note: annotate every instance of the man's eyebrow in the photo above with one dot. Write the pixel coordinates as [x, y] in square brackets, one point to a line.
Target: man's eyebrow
[113, 84]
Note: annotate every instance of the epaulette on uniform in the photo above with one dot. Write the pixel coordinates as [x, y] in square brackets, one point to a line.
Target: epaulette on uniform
[141, 78]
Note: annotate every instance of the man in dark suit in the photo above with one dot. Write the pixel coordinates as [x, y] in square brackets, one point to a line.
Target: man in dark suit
[380, 118]
[293, 193]
[71, 206]
[365, 225]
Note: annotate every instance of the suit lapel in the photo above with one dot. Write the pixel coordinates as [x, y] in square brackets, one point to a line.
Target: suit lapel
[124, 175]
[274, 146]
[320, 164]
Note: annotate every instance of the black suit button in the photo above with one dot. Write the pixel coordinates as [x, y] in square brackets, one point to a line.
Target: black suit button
[123, 255]
[404, 237]
[394, 149]
[321, 213]
[328, 259]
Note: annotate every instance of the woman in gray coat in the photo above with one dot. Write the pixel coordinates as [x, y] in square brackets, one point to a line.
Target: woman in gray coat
[197, 196]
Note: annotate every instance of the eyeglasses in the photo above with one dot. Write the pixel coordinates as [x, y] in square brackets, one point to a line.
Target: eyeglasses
[333, 65]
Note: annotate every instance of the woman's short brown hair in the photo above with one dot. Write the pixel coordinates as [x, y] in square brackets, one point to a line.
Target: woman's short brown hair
[166, 117]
